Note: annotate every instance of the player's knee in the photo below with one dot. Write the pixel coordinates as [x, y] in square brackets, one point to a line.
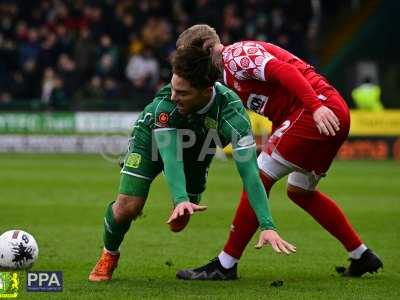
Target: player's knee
[295, 192]
[301, 186]
[127, 207]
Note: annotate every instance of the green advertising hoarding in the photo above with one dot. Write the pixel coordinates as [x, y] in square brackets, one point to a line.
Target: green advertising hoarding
[67, 122]
[37, 122]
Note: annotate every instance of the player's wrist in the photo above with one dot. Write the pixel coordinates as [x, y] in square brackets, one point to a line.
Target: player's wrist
[267, 225]
[315, 106]
[268, 228]
[179, 201]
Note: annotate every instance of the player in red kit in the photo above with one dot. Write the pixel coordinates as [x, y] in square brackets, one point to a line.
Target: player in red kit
[310, 123]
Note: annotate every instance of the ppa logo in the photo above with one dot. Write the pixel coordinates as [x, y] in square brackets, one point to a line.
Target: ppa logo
[44, 281]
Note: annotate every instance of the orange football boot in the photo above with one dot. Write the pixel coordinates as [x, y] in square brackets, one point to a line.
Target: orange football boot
[105, 266]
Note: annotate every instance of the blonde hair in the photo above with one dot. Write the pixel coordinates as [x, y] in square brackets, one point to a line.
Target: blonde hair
[200, 35]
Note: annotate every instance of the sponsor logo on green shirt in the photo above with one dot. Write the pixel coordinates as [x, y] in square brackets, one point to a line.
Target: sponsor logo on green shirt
[133, 160]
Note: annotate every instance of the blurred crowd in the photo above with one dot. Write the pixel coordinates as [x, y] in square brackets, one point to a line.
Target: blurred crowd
[67, 53]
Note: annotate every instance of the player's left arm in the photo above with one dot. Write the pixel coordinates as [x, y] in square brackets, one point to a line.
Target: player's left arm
[246, 163]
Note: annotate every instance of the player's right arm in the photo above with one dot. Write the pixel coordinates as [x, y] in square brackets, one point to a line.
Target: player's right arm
[291, 78]
[169, 146]
[258, 64]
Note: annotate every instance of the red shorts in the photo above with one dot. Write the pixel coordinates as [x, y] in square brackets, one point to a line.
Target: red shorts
[298, 141]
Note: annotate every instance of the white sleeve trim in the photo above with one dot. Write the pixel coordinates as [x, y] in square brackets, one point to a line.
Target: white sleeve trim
[244, 147]
[135, 175]
[164, 129]
[263, 65]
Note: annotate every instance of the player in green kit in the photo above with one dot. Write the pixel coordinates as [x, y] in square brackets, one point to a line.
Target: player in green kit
[177, 133]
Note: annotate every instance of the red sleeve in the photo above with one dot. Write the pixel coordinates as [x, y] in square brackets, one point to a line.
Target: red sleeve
[293, 80]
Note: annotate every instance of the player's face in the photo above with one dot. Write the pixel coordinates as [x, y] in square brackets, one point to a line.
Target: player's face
[187, 98]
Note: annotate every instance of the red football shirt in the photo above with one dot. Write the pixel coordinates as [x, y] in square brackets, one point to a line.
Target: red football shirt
[273, 82]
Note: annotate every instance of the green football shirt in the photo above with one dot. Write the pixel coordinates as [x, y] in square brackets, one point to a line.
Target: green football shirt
[222, 121]
[224, 114]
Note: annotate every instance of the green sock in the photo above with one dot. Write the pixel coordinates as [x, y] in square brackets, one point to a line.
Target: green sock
[113, 232]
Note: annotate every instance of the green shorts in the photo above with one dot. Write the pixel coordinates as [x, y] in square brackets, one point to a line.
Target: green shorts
[139, 170]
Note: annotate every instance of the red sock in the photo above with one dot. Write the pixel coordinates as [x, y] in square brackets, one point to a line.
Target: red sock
[244, 224]
[329, 215]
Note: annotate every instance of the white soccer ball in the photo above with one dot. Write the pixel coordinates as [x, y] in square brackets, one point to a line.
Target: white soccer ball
[18, 250]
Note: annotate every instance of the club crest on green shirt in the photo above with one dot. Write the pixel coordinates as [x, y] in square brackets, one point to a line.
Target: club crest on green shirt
[133, 160]
[210, 123]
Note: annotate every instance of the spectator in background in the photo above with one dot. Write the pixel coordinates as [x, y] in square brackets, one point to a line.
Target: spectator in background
[106, 46]
[111, 88]
[232, 22]
[8, 17]
[106, 66]
[5, 97]
[92, 90]
[136, 45]
[29, 47]
[49, 51]
[143, 71]
[66, 68]
[367, 96]
[202, 11]
[124, 22]
[95, 17]
[26, 82]
[156, 36]
[83, 52]
[65, 40]
[48, 84]
[106, 57]
[21, 31]
[17, 85]
[58, 97]
[156, 32]
[103, 37]
[8, 54]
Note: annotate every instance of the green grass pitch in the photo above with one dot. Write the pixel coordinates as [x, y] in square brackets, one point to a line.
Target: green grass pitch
[61, 199]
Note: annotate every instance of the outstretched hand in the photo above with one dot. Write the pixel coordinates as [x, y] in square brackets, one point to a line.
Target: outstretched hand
[326, 121]
[184, 207]
[277, 243]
